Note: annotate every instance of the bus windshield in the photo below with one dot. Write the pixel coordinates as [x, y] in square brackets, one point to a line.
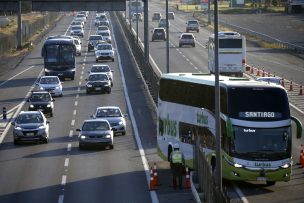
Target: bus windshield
[258, 104]
[258, 143]
[59, 54]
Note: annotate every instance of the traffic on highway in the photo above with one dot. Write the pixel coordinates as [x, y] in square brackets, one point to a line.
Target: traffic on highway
[79, 123]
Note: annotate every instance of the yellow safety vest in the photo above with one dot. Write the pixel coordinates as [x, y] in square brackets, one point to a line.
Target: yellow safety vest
[177, 157]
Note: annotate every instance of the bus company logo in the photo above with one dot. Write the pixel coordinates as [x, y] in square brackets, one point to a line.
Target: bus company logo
[167, 126]
[262, 164]
[201, 119]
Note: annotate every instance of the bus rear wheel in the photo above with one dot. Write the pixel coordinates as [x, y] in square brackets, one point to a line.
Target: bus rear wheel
[270, 183]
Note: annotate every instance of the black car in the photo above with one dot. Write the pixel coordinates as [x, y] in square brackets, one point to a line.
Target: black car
[41, 101]
[98, 82]
[93, 41]
[159, 34]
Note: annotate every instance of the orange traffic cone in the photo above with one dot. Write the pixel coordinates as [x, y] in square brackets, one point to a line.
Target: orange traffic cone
[268, 74]
[152, 182]
[263, 73]
[301, 153]
[251, 70]
[187, 178]
[290, 86]
[301, 90]
[258, 72]
[155, 175]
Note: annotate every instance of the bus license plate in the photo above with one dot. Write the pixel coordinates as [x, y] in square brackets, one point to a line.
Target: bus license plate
[261, 179]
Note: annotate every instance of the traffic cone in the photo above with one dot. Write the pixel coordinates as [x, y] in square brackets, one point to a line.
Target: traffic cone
[263, 73]
[187, 178]
[152, 182]
[273, 74]
[155, 175]
[301, 153]
[258, 72]
[290, 86]
[268, 74]
[301, 90]
[283, 82]
[251, 70]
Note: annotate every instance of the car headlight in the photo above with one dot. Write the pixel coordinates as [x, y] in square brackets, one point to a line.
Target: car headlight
[48, 106]
[120, 122]
[82, 137]
[57, 87]
[108, 136]
[31, 106]
[41, 88]
[285, 166]
[18, 128]
[89, 85]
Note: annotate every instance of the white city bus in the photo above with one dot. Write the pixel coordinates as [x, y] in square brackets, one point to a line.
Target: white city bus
[231, 53]
[255, 123]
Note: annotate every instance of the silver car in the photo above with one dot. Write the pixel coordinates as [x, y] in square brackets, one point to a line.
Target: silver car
[187, 39]
[114, 116]
[51, 84]
[31, 126]
[103, 68]
[96, 132]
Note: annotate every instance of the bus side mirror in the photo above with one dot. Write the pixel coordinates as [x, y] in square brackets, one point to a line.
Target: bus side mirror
[299, 126]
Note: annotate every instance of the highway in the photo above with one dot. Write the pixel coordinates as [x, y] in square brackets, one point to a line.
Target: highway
[59, 171]
[283, 63]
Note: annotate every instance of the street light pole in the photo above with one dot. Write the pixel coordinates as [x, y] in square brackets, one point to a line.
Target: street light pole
[136, 21]
[167, 38]
[146, 30]
[218, 167]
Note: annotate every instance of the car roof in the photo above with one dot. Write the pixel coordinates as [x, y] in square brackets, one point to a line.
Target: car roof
[98, 74]
[99, 65]
[187, 33]
[97, 119]
[30, 112]
[49, 76]
[39, 92]
[107, 107]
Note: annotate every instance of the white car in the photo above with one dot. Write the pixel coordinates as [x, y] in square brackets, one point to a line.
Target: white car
[103, 28]
[102, 68]
[77, 30]
[114, 116]
[106, 35]
[77, 23]
[77, 43]
[83, 16]
[50, 84]
[104, 51]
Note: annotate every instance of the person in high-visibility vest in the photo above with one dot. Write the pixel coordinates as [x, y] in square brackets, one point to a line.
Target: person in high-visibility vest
[177, 165]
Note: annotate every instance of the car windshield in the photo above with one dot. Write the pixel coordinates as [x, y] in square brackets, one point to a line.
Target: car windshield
[103, 28]
[192, 22]
[76, 27]
[159, 31]
[49, 80]
[97, 37]
[108, 113]
[187, 36]
[29, 118]
[95, 126]
[104, 34]
[40, 97]
[76, 23]
[104, 47]
[98, 77]
[100, 69]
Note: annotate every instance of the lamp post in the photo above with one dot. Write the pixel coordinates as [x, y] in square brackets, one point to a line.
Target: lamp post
[167, 38]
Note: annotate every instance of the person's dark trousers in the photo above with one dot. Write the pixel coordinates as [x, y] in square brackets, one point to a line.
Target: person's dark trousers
[177, 170]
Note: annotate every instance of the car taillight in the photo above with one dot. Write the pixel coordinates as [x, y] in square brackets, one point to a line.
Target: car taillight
[244, 61]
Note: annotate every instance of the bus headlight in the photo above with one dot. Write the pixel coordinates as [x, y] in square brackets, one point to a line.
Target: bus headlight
[236, 165]
[285, 166]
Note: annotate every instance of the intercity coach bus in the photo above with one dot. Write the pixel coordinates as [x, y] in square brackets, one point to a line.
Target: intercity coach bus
[255, 124]
[59, 57]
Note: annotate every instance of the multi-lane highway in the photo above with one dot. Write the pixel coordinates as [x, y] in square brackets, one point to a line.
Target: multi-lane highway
[188, 59]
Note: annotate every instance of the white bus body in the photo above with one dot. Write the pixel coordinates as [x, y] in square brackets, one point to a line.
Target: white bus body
[231, 52]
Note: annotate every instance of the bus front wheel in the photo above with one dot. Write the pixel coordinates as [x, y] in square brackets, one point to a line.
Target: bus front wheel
[270, 183]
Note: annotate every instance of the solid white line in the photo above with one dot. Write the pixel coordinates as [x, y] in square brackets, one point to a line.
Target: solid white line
[63, 180]
[74, 112]
[71, 133]
[16, 75]
[241, 194]
[69, 147]
[76, 103]
[79, 83]
[77, 96]
[66, 162]
[136, 133]
[73, 122]
[61, 198]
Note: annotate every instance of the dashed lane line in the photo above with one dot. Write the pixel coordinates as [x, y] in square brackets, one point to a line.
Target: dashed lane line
[63, 180]
[73, 122]
[71, 133]
[69, 147]
[76, 103]
[66, 162]
[74, 112]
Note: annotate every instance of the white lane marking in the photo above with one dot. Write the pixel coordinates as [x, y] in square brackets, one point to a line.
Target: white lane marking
[69, 147]
[77, 96]
[63, 180]
[79, 83]
[16, 75]
[82, 68]
[66, 162]
[81, 77]
[73, 122]
[74, 112]
[241, 194]
[82, 73]
[71, 133]
[138, 141]
[79, 87]
[76, 103]
[61, 198]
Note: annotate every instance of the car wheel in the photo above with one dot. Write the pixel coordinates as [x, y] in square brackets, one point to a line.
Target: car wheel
[96, 60]
[73, 77]
[124, 133]
[89, 50]
[45, 140]
[180, 45]
[87, 91]
[61, 95]
[80, 146]
[111, 146]
[109, 91]
[193, 45]
[111, 84]
[112, 59]
[51, 114]
[16, 142]
[197, 30]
